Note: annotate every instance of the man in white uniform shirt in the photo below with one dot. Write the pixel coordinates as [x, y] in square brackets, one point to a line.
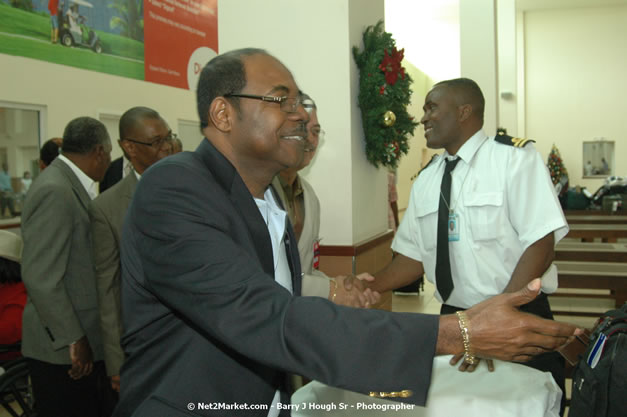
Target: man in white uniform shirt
[500, 215]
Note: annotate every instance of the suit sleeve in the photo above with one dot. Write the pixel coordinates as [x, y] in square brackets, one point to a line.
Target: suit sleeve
[194, 263]
[48, 230]
[106, 253]
[316, 284]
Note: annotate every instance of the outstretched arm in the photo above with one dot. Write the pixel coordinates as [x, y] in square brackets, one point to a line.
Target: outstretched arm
[498, 330]
[398, 273]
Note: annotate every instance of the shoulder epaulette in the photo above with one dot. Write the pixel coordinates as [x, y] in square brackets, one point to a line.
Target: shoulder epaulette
[424, 167]
[515, 142]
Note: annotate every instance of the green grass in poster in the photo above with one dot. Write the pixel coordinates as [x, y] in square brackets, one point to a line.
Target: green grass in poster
[76, 57]
[28, 34]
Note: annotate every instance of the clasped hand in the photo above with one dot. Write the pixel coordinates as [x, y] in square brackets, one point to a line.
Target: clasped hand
[352, 291]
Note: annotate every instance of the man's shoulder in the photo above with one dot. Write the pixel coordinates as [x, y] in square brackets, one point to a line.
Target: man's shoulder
[427, 168]
[114, 196]
[512, 141]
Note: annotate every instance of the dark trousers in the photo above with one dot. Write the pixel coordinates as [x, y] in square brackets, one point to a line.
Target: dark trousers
[551, 362]
[58, 395]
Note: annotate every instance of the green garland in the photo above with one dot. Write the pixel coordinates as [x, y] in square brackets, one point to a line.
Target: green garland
[384, 95]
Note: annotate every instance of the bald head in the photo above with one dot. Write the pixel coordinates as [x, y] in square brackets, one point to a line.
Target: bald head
[132, 118]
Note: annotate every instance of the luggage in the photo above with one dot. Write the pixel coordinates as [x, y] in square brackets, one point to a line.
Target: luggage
[600, 377]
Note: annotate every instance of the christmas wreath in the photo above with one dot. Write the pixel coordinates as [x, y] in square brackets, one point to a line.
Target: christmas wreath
[384, 95]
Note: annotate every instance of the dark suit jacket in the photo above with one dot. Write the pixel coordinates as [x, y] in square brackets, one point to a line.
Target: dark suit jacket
[58, 268]
[113, 175]
[205, 321]
[106, 214]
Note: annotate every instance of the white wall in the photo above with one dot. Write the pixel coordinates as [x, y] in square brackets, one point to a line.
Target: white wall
[429, 32]
[575, 61]
[478, 51]
[69, 92]
[314, 42]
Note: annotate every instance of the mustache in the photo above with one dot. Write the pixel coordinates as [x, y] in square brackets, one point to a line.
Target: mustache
[301, 130]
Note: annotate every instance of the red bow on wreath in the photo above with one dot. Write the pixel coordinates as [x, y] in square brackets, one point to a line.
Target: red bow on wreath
[391, 65]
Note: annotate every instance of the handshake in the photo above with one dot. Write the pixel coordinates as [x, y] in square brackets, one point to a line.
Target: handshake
[353, 291]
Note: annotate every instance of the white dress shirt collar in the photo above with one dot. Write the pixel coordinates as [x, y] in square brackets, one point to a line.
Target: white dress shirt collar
[91, 186]
[275, 219]
[469, 148]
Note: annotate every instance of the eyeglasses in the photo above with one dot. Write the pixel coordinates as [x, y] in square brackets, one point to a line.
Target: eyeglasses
[309, 105]
[286, 104]
[157, 143]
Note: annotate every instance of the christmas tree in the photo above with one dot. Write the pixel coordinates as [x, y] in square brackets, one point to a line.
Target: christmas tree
[559, 175]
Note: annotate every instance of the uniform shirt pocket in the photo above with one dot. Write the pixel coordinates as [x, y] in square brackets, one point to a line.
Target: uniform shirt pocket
[427, 221]
[484, 214]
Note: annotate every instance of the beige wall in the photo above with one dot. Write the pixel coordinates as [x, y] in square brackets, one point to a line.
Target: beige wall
[575, 62]
[68, 92]
[419, 155]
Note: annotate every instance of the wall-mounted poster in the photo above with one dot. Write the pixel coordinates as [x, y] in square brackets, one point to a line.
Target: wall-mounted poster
[162, 41]
[598, 158]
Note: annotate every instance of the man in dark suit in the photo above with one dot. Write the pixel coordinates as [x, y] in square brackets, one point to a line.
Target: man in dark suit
[145, 138]
[211, 276]
[61, 330]
[113, 175]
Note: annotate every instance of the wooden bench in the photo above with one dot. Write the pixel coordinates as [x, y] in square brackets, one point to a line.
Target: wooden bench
[607, 232]
[596, 219]
[608, 276]
[591, 252]
[592, 213]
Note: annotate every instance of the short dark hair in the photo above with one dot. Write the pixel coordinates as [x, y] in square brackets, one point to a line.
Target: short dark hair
[10, 272]
[468, 93]
[83, 134]
[49, 151]
[222, 75]
[133, 116]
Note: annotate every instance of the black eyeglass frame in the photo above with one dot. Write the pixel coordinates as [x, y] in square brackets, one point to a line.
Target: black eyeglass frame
[160, 142]
[282, 100]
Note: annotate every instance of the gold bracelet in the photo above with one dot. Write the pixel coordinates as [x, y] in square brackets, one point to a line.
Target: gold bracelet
[332, 280]
[469, 357]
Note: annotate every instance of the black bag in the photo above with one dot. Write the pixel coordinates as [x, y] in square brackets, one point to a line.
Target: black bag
[601, 391]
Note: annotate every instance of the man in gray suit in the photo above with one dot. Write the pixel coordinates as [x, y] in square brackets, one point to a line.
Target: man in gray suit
[145, 138]
[61, 331]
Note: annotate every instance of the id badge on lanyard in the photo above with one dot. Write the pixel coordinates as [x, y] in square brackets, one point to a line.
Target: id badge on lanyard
[453, 227]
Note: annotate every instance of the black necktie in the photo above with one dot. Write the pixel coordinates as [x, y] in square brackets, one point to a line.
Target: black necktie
[443, 278]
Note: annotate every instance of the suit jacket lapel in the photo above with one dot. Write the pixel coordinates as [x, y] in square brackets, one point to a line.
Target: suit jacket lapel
[244, 203]
[130, 182]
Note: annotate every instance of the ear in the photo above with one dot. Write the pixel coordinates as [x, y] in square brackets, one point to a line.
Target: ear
[465, 111]
[221, 114]
[128, 147]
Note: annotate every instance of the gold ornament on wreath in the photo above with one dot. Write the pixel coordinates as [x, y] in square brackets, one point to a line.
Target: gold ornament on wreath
[389, 118]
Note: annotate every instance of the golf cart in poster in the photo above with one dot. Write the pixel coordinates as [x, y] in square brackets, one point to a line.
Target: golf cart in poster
[74, 31]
